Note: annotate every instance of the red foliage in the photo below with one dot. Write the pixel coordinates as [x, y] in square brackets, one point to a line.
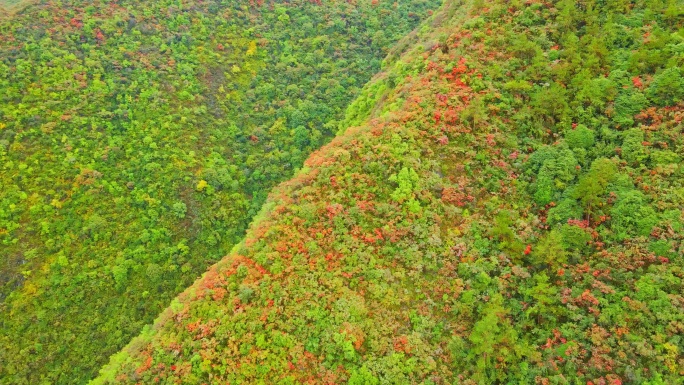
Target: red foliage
[74, 22]
[450, 116]
[334, 209]
[401, 344]
[146, 365]
[586, 298]
[579, 223]
[460, 68]
[459, 198]
[99, 35]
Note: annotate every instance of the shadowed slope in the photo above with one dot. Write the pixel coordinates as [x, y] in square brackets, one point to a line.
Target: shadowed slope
[137, 141]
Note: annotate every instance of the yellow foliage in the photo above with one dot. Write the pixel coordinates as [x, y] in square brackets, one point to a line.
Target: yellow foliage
[202, 185]
[30, 289]
[671, 356]
[252, 48]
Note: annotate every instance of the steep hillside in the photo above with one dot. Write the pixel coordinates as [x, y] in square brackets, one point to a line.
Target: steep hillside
[9, 7]
[138, 139]
[510, 213]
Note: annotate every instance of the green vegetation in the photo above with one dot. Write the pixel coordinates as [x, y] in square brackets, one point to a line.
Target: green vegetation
[503, 204]
[510, 213]
[138, 139]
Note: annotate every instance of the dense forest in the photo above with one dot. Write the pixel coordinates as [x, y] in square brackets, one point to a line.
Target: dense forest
[508, 212]
[502, 202]
[137, 141]
[10, 7]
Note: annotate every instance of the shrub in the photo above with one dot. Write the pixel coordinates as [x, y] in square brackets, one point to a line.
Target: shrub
[558, 168]
[564, 210]
[626, 105]
[667, 88]
[633, 151]
[664, 157]
[580, 137]
[592, 185]
[575, 238]
[632, 215]
[660, 248]
[362, 376]
[550, 250]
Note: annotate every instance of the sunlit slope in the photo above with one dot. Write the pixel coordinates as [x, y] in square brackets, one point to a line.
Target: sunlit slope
[511, 213]
[138, 139]
[8, 7]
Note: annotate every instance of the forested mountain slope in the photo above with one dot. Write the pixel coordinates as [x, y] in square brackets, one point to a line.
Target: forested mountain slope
[9, 7]
[138, 139]
[510, 213]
